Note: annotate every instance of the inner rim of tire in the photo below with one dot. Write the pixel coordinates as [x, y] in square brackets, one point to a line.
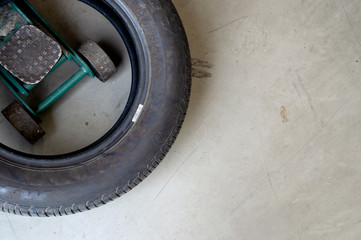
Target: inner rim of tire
[121, 19]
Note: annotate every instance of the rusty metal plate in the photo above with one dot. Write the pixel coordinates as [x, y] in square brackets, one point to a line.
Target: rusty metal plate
[30, 54]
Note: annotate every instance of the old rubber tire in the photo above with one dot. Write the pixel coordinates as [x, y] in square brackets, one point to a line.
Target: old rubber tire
[97, 59]
[23, 122]
[66, 184]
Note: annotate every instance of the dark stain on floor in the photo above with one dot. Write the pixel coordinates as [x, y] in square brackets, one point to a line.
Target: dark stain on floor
[200, 68]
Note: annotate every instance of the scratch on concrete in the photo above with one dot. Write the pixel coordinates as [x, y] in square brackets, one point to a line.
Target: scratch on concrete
[314, 136]
[249, 196]
[175, 172]
[11, 226]
[271, 185]
[309, 98]
[351, 25]
[227, 24]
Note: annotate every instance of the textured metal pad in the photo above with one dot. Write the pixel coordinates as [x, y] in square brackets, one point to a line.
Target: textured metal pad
[30, 54]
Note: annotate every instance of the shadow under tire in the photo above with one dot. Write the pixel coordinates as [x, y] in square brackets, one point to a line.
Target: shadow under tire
[161, 81]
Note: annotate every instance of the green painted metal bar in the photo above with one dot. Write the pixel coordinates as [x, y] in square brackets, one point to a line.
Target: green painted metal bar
[21, 13]
[68, 54]
[29, 87]
[75, 56]
[18, 25]
[21, 89]
[60, 62]
[60, 91]
[17, 95]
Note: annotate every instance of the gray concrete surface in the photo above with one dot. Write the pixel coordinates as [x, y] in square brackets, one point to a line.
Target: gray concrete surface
[270, 147]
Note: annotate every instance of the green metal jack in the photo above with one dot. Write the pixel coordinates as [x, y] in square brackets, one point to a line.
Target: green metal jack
[30, 50]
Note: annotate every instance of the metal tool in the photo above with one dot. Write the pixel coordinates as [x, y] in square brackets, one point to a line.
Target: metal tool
[30, 50]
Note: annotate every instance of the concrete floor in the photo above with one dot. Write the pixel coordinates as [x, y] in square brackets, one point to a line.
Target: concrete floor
[270, 146]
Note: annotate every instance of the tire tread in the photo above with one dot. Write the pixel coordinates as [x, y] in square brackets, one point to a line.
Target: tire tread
[32, 211]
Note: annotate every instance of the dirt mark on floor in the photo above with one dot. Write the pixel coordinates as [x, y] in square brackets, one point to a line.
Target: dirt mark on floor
[284, 114]
[200, 68]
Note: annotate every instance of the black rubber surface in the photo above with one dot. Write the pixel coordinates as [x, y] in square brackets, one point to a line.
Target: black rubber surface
[133, 148]
[98, 60]
[23, 122]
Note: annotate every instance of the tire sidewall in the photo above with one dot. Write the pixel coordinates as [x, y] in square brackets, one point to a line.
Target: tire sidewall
[127, 155]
